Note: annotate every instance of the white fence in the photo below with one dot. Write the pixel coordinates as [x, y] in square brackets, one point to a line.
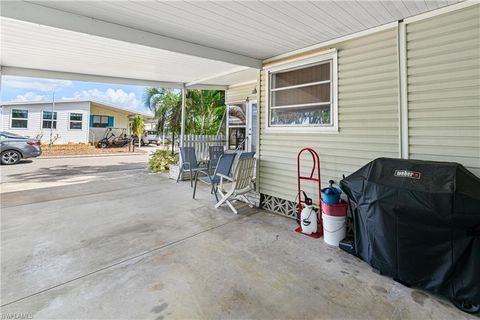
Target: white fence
[202, 142]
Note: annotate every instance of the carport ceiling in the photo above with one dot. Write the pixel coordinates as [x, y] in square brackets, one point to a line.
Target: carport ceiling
[181, 41]
[34, 46]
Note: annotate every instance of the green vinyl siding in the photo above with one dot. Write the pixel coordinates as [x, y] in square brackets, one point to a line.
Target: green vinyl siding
[368, 119]
[443, 59]
[239, 93]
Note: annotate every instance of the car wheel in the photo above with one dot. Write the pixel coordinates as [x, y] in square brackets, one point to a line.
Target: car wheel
[102, 145]
[10, 157]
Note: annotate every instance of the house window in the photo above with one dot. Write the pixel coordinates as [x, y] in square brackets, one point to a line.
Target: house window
[76, 120]
[302, 94]
[49, 119]
[19, 118]
[100, 121]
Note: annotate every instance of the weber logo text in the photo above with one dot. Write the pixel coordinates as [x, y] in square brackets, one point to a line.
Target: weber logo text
[407, 174]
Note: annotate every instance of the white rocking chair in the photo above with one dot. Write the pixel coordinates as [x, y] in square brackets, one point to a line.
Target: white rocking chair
[241, 183]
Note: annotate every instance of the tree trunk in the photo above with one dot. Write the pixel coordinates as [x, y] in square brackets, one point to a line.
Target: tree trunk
[173, 143]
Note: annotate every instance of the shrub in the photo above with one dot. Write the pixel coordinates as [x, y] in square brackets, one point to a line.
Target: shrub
[161, 160]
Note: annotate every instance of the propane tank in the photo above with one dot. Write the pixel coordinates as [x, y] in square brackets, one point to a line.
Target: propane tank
[308, 217]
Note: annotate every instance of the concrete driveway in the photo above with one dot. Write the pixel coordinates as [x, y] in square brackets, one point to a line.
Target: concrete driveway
[100, 238]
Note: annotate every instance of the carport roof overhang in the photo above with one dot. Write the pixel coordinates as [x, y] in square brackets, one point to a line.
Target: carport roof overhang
[43, 42]
[176, 44]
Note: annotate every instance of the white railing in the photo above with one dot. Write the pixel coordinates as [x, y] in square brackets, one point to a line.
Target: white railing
[202, 142]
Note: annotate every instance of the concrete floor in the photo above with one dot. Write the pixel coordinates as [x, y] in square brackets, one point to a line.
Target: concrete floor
[125, 244]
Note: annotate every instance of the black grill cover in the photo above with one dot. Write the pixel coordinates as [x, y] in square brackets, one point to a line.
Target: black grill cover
[419, 222]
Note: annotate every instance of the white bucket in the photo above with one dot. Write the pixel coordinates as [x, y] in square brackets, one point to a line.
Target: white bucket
[334, 229]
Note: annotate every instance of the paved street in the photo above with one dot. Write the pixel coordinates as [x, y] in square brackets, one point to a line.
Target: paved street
[50, 172]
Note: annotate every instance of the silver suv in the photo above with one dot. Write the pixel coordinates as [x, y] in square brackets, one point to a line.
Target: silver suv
[14, 148]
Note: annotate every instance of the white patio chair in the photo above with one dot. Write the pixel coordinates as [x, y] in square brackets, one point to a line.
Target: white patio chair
[241, 183]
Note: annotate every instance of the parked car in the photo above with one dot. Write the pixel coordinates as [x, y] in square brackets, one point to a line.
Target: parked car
[148, 137]
[14, 147]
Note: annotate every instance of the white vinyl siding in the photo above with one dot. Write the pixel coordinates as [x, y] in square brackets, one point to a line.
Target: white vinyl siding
[367, 116]
[443, 59]
[35, 119]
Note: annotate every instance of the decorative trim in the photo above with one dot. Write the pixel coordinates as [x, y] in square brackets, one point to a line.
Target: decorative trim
[279, 206]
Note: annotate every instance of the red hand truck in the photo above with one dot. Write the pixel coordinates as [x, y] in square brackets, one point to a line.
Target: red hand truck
[315, 177]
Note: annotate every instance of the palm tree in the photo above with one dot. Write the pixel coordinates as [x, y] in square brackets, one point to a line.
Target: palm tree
[167, 105]
[206, 108]
[138, 127]
[152, 97]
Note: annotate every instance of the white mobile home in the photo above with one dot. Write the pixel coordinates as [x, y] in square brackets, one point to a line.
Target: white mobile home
[72, 121]
[408, 90]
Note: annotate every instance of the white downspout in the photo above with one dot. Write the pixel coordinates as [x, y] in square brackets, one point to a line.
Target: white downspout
[403, 91]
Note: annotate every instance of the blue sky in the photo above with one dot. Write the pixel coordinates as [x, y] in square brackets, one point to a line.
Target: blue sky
[35, 89]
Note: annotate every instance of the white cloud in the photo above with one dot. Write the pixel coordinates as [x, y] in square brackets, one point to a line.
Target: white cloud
[44, 85]
[116, 97]
[31, 96]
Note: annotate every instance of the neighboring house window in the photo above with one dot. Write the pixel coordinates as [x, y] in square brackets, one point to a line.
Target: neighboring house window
[76, 120]
[101, 121]
[49, 120]
[302, 94]
[19, 118]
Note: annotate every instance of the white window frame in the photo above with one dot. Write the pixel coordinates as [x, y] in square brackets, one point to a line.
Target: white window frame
[312, 60]
[12, 118]
[70, 120]
[53, 116]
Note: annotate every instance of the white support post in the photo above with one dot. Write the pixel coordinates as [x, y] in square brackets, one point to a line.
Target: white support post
[182, 125]
[403, 91]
